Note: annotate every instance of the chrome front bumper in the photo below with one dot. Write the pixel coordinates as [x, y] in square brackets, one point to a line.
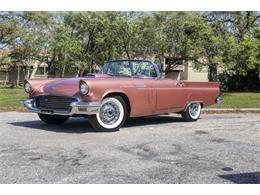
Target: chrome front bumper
[77, 108]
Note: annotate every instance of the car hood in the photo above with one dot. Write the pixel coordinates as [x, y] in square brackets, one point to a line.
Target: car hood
[62, 86]
[67, 87]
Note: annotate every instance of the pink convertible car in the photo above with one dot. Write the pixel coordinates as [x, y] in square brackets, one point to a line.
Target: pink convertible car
[122, 89]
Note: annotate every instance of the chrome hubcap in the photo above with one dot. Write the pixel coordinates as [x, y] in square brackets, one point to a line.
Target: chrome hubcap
[194, 109]
[109, 113]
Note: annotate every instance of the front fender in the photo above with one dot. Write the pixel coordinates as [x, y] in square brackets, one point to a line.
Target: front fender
[38, 84]
[114, 92]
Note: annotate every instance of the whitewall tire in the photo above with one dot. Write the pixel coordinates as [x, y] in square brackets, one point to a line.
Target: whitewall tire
[111, 116]
[192, 112]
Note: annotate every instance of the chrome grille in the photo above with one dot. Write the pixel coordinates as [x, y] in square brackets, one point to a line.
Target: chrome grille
[54, 102]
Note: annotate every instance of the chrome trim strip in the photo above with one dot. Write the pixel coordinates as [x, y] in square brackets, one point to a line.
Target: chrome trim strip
[140, 85]
[84, 108]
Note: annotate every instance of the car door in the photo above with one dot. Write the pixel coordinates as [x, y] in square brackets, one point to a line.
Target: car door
[170, 94]
[144, 78]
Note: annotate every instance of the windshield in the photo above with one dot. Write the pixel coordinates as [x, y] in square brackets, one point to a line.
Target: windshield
[129, 68]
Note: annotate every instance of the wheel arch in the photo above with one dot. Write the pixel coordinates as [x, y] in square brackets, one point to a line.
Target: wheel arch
[125, 98]
[189, 103]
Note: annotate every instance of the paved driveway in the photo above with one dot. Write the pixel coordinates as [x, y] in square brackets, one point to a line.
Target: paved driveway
[219, 148]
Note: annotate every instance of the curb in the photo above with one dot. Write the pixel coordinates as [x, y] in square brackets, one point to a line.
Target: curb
[230, 110]
[13, 110]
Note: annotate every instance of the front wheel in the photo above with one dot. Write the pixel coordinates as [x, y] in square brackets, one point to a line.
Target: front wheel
[192, 113]
[53, 119]
[111, 116]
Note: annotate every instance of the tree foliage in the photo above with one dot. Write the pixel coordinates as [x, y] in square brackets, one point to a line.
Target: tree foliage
[82, 41]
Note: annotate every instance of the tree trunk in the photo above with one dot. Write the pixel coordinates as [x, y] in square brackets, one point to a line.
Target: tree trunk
[81, 72]
[212, 72]
[127, 52]
[128, 55]
[18, 76]
[92, 67]
[6, 77]
[258, 82]
[50, 64]
[63, 71]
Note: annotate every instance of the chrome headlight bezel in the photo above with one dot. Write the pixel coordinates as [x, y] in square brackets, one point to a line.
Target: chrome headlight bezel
[84, 88]
[27, 87]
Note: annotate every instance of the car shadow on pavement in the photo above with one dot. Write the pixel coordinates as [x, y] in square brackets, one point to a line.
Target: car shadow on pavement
[73, 125]
[243, 178]
[81, 125]
[152, 120]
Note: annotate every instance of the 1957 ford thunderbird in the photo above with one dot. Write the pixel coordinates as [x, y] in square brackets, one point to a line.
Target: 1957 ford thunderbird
[121, 89]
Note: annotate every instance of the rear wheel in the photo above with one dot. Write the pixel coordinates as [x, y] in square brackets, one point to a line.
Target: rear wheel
[111, 116]
[192, 113]
[53, 119]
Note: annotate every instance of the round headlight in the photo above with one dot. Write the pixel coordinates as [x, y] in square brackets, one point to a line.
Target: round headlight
[84, 88]
[28, 88]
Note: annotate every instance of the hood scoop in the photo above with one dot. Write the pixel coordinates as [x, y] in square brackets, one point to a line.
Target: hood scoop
[96, 75]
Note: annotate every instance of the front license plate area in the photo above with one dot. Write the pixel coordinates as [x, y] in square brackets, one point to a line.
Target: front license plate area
[44, 111]
[83, 109]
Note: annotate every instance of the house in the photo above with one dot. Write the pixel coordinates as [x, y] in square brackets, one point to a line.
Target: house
[188, 72]
[15, 73]
[183, 71]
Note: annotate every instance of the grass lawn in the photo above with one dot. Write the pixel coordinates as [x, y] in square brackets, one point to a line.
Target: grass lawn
[239, 100]
[9, 99]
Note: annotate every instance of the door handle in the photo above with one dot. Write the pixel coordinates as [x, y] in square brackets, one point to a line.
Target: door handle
[180, 84]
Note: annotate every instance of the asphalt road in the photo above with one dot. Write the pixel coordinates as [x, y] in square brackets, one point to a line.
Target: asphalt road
[219, 148]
